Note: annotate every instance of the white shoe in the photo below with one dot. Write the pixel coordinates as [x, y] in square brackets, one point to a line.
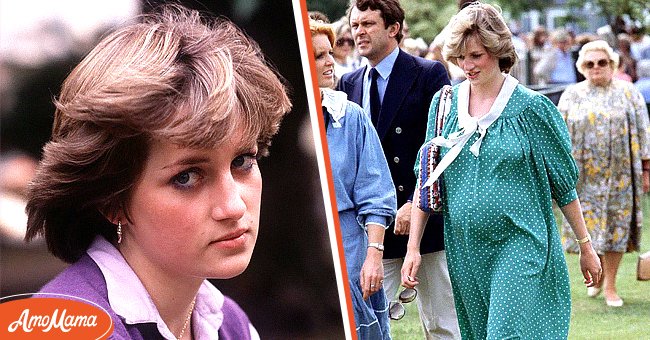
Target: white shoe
[593, 291]
[614, 303]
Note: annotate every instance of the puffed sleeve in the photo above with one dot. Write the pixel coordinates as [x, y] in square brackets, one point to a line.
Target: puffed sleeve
[551, 148]
[374, 193]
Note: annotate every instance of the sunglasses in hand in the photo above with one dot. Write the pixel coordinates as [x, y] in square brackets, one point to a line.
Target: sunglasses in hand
[396, 310]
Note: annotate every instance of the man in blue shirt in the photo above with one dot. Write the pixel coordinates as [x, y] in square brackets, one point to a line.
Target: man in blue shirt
[557, 64]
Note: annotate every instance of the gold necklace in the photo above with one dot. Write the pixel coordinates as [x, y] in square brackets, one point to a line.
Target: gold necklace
[187, 320]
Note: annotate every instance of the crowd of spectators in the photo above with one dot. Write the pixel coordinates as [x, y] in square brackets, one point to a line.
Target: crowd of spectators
[547, 58]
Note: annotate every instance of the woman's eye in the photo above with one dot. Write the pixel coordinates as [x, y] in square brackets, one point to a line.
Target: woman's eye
[187, 178]
[322, 55]
[244, 162]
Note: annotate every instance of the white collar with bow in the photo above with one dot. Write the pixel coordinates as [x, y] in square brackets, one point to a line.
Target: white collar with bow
[335, 102]
[468, 125]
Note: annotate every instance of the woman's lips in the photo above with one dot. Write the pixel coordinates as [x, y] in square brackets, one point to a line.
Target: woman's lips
[472, 75]
[236, 239]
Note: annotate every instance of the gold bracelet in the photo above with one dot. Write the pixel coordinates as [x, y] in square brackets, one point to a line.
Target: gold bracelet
[584, 239]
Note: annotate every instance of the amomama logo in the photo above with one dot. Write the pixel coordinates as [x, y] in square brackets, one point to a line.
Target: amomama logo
[53, 316]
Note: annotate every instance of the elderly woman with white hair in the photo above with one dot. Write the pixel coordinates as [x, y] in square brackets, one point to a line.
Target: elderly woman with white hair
[608, 122]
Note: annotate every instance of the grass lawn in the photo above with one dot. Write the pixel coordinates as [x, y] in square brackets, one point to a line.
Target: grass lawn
[590, 318]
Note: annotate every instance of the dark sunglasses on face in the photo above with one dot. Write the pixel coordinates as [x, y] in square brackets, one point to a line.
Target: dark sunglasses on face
[343, 41]
[601, 63]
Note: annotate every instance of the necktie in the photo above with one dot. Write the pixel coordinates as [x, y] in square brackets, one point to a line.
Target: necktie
[375, 104]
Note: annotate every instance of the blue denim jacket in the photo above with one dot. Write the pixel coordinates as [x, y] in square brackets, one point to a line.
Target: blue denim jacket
[365, 194]
[361, 176]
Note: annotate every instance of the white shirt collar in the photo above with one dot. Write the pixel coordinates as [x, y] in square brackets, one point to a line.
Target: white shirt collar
[468, 125]
[385, 66]
[335, 102]
[130, 300]
[465, 120]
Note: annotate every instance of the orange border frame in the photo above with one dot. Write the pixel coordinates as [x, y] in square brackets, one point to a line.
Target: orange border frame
[328, 170]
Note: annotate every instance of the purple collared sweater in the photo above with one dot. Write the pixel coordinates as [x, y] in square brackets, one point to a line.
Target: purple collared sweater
[84, 279]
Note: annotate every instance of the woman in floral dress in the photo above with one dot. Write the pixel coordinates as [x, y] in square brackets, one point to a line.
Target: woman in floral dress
[608, 124]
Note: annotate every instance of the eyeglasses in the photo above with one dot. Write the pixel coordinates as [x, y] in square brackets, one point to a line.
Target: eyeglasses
[601, 63]
[343, 41]
[396, 310]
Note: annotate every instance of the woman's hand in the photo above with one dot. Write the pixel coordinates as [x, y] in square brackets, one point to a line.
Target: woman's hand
[403, 220]
[410, 268]
[590, 265]
[589, 261]
[372, 273]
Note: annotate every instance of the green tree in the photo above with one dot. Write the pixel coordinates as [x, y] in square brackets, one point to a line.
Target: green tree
[516, 8]
[637, 10]
[426, 18]
[334, 9]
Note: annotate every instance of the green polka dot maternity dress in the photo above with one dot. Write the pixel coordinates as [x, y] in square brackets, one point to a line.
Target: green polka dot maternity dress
[506, 264]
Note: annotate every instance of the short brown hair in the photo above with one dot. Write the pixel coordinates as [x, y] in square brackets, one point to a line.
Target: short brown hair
[176, 76]
[486, 23]
[391, 12]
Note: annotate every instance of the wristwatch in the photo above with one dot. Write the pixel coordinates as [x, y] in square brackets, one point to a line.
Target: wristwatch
[376, 245]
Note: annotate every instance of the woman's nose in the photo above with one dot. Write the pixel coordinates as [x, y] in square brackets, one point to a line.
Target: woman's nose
[330, 60]
[228, 201]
